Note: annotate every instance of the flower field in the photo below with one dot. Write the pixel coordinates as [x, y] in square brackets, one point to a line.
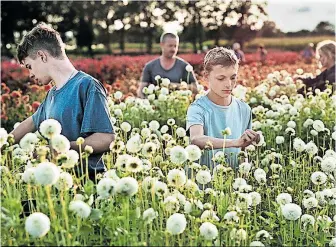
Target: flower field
[155, 191]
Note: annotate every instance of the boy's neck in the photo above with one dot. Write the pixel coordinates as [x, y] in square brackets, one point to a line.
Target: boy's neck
[62, 72]
[218, 100]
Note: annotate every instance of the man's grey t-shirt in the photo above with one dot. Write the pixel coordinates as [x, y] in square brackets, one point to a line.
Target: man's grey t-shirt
[177, 73]
[81, 108]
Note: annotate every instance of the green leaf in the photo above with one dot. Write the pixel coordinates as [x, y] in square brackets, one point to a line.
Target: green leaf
[89, 187]
[96, 214]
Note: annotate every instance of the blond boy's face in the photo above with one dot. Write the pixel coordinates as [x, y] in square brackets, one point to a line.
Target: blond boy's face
[222, 80]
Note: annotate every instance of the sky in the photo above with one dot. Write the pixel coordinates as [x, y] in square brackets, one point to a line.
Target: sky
[295, 15]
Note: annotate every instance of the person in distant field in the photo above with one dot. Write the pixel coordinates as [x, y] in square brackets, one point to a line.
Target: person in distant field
[212, 113]
[308, 53]
[239, 53]
[168, 65]
[77, 101]
[262, 54]
[325, 52]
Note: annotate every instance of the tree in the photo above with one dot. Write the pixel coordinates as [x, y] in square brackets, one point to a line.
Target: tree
[270, 29]
[324, 28]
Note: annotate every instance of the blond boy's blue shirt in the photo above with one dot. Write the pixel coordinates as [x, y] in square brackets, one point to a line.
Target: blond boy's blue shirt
[215, 118]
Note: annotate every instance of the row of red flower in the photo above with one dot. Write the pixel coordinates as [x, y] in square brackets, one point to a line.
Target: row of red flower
[109, 69]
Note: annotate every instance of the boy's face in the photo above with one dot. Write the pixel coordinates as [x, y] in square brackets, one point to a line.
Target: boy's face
[38, 68]
[222, 79]
[169, 47]
[323, 59]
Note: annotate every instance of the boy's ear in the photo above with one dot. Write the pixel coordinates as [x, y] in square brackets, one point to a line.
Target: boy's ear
[206, 75]
[42, 55]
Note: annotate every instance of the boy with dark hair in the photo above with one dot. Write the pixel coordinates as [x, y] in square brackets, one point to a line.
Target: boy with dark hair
[77, 100]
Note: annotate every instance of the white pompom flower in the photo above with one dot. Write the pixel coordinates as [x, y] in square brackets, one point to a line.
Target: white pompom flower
[194, 152]
[127, 186]
[106, 187]
[318, 125]
[134, 145]
[64, 182]
[28, 142]
[238, 182]
[260, 175]
[208, 231]
[307, 219]
[189, 68]
[171, 204]
[60, 143]
[149, 215]
[310, 202]
[279, 140]
[299, 145]
[3, 136]
[178, 155]
[126, 127]
[209, 215]
[180, 132]
[203, 177]
[318, 178]
[134, 164]
[50, 128]
[37, 225]
[284, 198]
[176, 224]
[46, 173]
[291, 211]
[72, 159]
[328, 164]
[80, 208]
[154, 125]
[176, 177]
[311, 148]
[256, 198]
[118, 95]
[28, 175]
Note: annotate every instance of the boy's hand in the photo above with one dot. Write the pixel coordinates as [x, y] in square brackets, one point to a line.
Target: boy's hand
[247, 138]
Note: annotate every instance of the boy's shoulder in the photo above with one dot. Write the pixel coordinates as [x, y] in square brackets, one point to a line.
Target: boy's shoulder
[87, 82]
[243, 106]
[199, 103]
[241, 102]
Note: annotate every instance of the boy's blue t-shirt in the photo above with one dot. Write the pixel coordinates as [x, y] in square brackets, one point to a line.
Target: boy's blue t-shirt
[215, 118]
[81, 108]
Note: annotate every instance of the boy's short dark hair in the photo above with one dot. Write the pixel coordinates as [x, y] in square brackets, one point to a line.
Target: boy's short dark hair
[167, 35]
[220, 56]
[41, 37]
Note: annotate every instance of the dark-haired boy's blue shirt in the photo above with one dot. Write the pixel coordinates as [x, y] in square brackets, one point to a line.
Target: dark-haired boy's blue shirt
[81, 108]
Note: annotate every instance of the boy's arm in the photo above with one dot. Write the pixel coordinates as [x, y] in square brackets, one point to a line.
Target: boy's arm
[25, 127]
[100, 142]
[198, 138]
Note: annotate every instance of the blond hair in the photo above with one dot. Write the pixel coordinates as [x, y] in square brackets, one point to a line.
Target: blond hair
[220, 56]
[327, 47]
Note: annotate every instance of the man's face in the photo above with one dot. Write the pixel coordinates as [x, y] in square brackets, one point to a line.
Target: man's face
[169, 47]
[38, 69]
[222, 80]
